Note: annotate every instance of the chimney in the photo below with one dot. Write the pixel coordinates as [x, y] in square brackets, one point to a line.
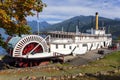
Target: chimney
[96, 21]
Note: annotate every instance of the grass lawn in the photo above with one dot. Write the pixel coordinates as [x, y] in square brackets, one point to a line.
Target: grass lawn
[108, 63]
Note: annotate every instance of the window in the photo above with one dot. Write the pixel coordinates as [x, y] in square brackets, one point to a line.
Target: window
[64, 46]
[96, 37]
[84, 45]
[70, 47]
[56, 46]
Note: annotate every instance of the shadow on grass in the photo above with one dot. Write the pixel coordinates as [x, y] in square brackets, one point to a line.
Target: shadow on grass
[104, 77]
[108, 77]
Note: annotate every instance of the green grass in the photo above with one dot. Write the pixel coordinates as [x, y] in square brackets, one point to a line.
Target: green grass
[108, 63]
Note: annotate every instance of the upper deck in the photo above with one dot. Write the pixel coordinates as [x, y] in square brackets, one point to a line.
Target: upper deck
[72, 37]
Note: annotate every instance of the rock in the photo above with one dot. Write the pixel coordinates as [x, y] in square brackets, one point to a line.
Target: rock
[110, 72]
[33, 78]
[73, 76]
[48, 78]
[54, 78]
[75, 67]
[116, 71]
[21, 79]
[97, 74]
[27, 78]
[89, 74]
[80, 74]
[68, 77]
[61, 78]
[54, 68]
[98, 58]
[70, 67]
[83, 65]
[101, 57]
[65, 68]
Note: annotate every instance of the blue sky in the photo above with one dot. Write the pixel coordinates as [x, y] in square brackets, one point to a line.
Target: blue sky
[60, 10]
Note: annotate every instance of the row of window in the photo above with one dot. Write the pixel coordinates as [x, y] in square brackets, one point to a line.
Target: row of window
[83, 45]
[70, 47]
[64, 46]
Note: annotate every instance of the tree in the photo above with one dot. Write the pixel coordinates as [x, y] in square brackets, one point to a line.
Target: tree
[2, 43]
[13, 14]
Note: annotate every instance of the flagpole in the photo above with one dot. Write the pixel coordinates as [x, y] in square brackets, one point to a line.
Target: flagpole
[38, 22]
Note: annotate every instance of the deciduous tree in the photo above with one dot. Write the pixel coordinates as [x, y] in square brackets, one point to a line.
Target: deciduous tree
[13, 15]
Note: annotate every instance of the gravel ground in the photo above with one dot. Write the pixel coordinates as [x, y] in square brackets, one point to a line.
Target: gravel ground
[89, 57]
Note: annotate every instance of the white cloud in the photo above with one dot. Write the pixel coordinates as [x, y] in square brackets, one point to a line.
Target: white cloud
[59, 10]
[54, 22]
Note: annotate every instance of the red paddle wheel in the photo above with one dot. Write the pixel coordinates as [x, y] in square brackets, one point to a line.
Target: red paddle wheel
[21, 47]
[35, 48]
[32, 46]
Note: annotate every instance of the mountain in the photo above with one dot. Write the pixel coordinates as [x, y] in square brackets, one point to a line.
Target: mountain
[117, 19]
[34, 25]
[83, 22]
[4, 36]
[87, 22]
[2, 51]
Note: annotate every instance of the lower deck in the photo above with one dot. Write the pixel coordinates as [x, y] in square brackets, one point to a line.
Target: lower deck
[77, 47]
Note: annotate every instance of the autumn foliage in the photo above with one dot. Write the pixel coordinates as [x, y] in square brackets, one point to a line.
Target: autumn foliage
[13, 14]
